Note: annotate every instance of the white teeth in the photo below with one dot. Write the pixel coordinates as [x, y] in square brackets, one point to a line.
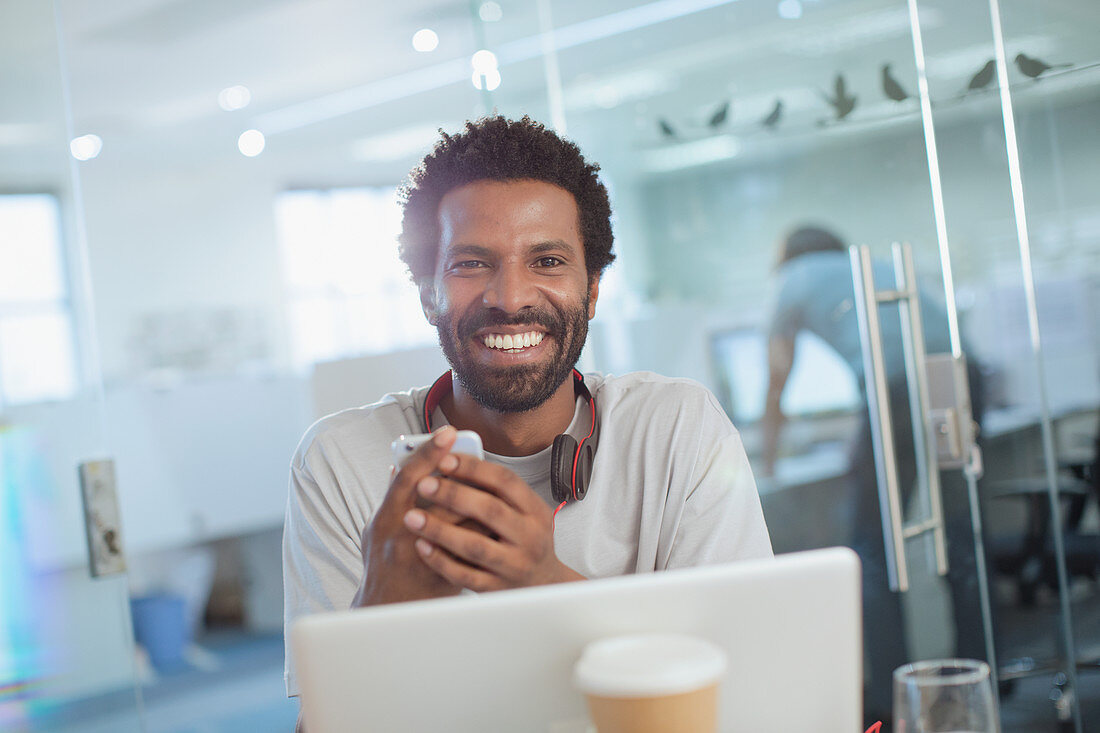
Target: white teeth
[513, 342]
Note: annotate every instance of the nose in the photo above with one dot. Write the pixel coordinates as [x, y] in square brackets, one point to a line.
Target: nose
[510, 289]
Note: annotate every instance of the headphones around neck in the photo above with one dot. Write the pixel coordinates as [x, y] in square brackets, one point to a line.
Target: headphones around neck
[570, 461]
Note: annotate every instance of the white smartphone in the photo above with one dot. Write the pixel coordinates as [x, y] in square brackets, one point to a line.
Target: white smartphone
[467, 442]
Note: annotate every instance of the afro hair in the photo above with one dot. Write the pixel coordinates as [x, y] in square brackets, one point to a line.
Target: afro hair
[499, 149]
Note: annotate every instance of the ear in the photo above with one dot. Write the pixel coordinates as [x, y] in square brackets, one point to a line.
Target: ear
[427, 301]
[593, 295]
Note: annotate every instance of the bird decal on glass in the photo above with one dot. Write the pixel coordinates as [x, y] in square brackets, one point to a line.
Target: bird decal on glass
[890, 86]
[1035, 67]
[720, 116]
[772, 120]
[841, 101]
[983, 77]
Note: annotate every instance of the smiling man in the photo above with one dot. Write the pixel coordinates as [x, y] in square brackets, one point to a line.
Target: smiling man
[506, 232]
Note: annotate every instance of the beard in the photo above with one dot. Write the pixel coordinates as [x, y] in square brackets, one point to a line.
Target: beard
[522, 387]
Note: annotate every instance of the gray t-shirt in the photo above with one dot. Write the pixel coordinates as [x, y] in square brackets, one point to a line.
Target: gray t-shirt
[671, 487]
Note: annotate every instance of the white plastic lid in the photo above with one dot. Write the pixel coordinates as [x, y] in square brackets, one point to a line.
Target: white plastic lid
[648, 664]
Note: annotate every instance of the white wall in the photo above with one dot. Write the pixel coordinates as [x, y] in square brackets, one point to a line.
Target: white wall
[167, 241]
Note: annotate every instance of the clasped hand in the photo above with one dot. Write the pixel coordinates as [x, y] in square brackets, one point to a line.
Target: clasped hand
[475, 525]
[518, 548]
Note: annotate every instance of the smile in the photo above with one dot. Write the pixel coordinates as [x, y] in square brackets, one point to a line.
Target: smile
[513, 342]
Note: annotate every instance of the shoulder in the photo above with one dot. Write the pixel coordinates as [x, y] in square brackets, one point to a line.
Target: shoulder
[647, 392]
[355, 429]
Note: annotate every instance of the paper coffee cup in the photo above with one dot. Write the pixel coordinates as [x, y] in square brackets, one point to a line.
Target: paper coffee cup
[652, 683]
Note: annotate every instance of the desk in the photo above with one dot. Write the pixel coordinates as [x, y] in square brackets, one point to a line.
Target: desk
[806, 502]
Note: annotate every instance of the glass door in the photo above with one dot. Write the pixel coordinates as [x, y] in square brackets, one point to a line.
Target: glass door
[66, 644]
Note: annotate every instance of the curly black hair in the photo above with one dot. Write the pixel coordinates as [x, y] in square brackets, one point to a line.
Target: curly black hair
[498, 149]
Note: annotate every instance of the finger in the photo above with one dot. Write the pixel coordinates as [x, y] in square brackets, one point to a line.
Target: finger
[472, 547]
[457, 572]
[450, 517]
[498, 480]
[445, 514]
[422, 462]
[489, 510]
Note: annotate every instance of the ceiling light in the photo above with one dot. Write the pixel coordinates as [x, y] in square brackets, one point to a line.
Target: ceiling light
[490, 12]
[86, 147]
[487, 80]
[484, 61]
[425, 40]
[790, 9]
[251, 143]
[234, 98]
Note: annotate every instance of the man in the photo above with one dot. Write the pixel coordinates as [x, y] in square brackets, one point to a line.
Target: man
[506, 232]
[814, 292]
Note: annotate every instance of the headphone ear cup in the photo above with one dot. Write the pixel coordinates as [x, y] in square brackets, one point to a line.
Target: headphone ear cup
[584, 469]
[561, 467]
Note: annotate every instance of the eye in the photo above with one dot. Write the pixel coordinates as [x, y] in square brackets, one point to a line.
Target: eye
[468, 264]
[549, 262]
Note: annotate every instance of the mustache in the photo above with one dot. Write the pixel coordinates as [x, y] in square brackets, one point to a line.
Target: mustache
[554, 323]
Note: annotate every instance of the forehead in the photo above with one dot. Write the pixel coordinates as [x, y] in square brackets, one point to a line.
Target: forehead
[511, 211]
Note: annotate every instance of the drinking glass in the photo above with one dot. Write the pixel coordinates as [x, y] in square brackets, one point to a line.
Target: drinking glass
[944, 696]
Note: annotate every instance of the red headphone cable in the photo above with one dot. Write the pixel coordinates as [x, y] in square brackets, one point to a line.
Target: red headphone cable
[554, 519]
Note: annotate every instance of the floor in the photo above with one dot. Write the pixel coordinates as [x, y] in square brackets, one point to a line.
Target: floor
[1031, 634]
[236, 686]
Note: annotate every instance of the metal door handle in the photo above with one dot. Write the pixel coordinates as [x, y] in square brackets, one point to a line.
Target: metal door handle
[924, 437]
[878, 406]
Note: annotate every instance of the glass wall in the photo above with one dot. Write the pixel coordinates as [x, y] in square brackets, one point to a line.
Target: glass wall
[227, 215]
[65, 631]
[1049, 93]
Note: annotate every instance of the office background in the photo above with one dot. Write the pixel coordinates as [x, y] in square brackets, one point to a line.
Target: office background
[197, 214]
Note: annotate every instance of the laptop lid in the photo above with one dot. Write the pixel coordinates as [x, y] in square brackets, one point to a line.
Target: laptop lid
[504, 661]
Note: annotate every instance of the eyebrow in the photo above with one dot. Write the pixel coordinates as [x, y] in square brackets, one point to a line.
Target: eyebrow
[477, 250]
[553, 245]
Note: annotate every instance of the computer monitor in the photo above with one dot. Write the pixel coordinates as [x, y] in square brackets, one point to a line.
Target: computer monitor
[821, 382]
[503, 661]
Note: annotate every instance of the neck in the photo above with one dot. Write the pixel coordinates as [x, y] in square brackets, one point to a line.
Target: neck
[512, 433]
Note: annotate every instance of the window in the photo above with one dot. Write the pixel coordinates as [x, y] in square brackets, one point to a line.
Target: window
[348, 292]
[37, 355]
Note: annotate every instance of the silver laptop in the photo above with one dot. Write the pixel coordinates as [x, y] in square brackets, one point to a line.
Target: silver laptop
[503, 662]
